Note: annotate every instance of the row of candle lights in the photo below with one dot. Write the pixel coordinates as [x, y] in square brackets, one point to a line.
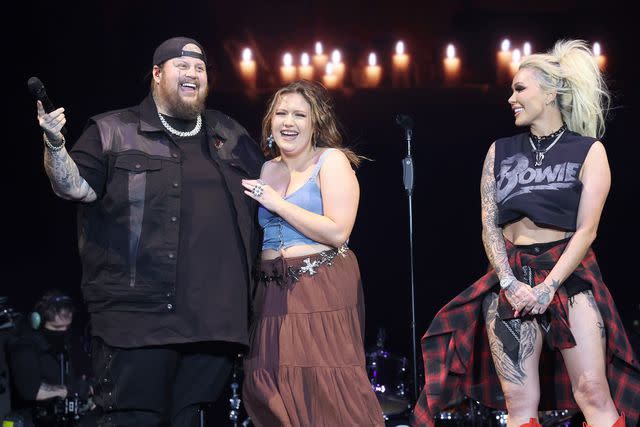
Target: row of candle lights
[332, 71]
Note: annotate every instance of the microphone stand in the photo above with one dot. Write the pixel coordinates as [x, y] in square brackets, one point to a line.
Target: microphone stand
[407, 176]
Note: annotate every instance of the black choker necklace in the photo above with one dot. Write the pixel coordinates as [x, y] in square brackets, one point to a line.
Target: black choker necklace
[540, 139]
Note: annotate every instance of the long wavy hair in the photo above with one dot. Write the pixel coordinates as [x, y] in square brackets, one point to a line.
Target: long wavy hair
[570, 69]
[327, 131]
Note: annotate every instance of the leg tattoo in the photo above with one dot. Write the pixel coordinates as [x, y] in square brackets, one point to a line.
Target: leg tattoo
[602, 330]
[591, 299]
[510, 370]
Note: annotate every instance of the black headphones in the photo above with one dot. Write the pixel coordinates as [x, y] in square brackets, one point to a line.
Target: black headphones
[56, 300]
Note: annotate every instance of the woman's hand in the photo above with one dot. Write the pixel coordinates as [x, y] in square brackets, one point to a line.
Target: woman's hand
[544, 294]
[521, 297]
[262, 192]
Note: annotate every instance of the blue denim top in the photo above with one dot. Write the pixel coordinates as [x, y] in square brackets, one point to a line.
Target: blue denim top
[278, 233]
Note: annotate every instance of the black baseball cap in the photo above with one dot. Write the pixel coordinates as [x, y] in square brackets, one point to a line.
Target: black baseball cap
[173, 48]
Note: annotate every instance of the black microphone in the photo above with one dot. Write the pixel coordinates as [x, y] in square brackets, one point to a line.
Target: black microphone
[36, 87]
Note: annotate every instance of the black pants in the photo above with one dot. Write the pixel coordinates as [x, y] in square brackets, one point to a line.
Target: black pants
[158, 386]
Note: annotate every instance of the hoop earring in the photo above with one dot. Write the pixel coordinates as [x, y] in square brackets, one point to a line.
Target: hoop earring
[270, 141]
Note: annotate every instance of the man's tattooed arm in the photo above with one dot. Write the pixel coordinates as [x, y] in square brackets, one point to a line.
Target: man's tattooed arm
[65, 177]
[47, 391]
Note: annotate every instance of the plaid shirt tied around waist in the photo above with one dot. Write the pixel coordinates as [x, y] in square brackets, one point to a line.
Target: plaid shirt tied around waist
[457, 357]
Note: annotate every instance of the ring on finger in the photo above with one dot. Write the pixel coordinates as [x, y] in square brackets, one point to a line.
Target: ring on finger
[257, 190]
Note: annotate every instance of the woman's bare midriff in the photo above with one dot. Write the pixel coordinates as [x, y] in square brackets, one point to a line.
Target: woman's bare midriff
[526, 232]
[294, 251]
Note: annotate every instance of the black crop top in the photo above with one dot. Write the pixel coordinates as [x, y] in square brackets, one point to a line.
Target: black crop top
[549, 194]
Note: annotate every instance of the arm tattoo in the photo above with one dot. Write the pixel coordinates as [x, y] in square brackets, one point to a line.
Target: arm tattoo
[65, 177]
[492, 234]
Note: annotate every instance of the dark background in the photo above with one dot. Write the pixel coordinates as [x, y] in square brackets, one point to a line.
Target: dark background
[96, 56]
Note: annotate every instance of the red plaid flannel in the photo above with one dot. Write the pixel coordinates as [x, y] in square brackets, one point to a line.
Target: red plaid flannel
[457, 358]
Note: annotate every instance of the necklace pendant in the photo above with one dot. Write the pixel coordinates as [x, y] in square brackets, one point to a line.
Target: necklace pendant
[539, 154]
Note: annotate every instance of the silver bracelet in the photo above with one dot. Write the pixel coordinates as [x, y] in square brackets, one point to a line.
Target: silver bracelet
[505, 282]
[51, 146]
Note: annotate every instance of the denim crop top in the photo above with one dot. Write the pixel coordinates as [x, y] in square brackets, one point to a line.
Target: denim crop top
[278, 233]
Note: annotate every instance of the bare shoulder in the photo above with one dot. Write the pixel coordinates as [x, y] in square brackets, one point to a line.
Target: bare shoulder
[270, 167]
[335, 160]
[597, 150]
[596, 159]
[596, 156]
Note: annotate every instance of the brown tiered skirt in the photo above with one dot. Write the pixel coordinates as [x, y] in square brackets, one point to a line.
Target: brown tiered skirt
[306, 364]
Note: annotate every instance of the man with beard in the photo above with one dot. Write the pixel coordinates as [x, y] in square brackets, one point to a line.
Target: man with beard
[166, 238]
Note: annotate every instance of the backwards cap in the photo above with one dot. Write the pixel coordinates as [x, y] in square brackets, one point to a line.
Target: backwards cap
[173, 48]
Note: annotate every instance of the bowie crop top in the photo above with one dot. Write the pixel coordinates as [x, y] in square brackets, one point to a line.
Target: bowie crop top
[278, 233]
[549, 194]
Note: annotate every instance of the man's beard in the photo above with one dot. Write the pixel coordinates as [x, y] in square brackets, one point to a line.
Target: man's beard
[180, 108]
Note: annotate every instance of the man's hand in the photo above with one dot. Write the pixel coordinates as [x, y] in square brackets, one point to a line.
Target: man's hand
[51, 123]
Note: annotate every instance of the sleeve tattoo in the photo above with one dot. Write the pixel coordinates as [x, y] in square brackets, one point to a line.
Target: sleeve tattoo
[65, 177]
[492, 234]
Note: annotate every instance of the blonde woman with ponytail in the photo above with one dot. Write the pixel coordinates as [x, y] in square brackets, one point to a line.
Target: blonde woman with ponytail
[542, 310]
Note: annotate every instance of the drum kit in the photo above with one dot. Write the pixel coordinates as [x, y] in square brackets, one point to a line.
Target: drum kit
[388, 376]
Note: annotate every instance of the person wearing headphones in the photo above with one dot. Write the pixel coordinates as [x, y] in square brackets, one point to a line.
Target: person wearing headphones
[47, 389]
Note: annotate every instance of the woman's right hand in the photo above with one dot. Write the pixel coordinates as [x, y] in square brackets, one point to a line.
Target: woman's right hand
[521, 297]
[262, 192]
[51, 123]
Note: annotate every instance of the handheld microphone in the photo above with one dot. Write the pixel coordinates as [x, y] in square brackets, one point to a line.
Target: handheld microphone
[36, 87]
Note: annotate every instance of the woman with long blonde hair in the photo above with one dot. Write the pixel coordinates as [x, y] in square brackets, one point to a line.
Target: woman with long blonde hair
[542, 312]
